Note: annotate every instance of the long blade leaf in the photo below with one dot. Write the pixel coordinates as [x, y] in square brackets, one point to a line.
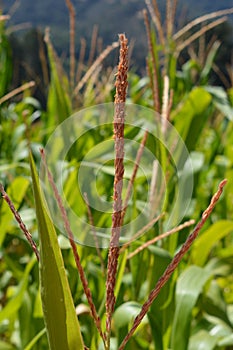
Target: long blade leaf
[60, 318]
[189, 287]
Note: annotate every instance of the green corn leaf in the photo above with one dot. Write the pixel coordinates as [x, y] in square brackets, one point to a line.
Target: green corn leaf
[6, 346]
[25, 319]
[126, 313]
[190, 119]
[213, 303]
[226, 341]
[123, 319]
[221, 100]
[203, 245]
[5, 61]
[16, 190]
[202, 341]
[16, 301]
[161, 311]
[230, 95]
[60, 318]
[35, 339]
[209, 62]
[59, 102]
[121, 270]
[189, 286]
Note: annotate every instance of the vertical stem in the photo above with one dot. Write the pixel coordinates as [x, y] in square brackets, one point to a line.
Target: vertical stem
[169, 18]
[165, 105]
[155, 78]
[82, 51]
[118, 123]
[93, 45]
[132, 179]
[20, 221]
[91, 219]
[173, 16]
[72, 42]
[156, 18]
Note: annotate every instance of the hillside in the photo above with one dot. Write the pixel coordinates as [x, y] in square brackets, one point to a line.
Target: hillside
[111, 16]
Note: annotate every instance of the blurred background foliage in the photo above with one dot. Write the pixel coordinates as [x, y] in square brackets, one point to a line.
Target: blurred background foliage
[28, 21]
[195, 309]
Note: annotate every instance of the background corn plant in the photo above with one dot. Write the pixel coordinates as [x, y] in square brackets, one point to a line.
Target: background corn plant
[194, 309]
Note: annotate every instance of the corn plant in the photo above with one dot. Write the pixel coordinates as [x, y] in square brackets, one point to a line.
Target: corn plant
[138, 293]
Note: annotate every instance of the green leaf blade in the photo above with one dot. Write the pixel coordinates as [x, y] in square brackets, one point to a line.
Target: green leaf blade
[62, 325]
[189, 287]
[203, 245]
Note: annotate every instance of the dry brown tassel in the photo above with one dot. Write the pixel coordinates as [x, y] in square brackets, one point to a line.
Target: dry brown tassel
[20, 221]
[119, 120]
[173, 265]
